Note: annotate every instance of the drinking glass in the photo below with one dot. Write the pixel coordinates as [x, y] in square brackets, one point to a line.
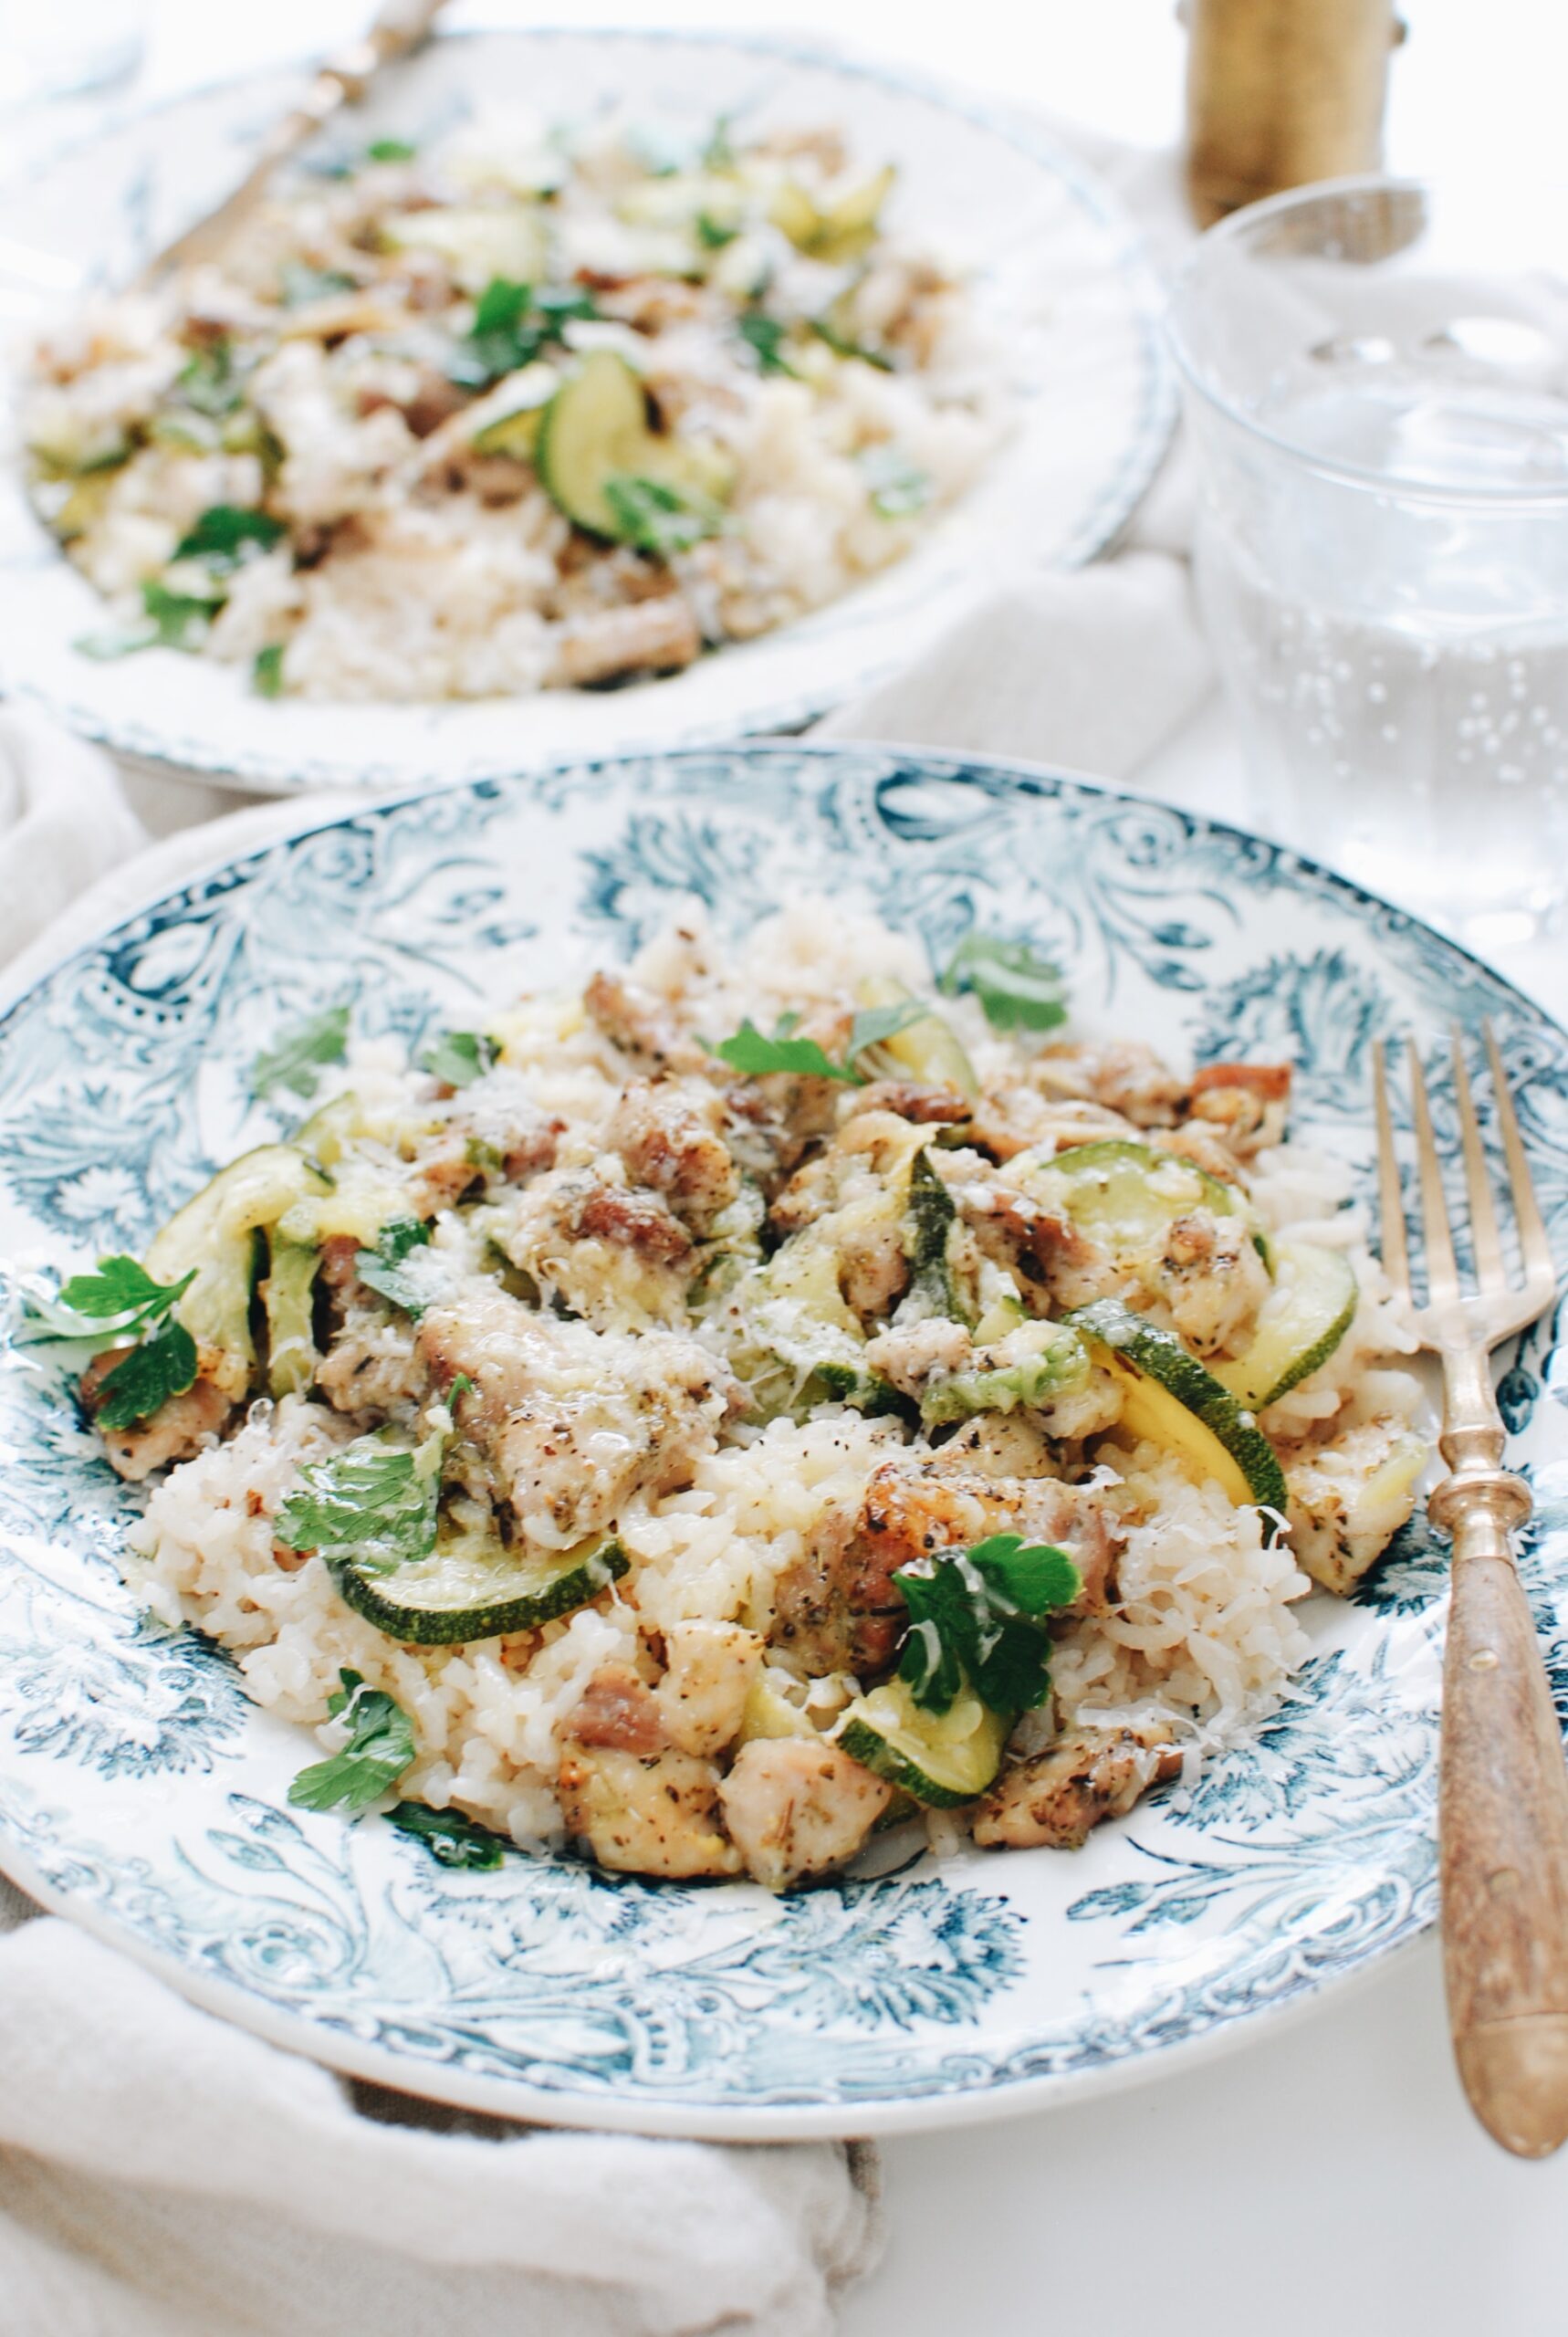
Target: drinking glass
[1380, 419]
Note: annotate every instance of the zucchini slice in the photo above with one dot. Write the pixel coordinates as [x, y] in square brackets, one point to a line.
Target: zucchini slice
[472, 1587]
[509, 422]
[1176, 1401]
[837, 231]
[1313, 1306]
[1128, 1196]
[930, 1213]
[287, 1294]
[1058, 1364]
[476, 244]
[214, 1234]
[595, 429]
[927, 1051]
[942, 1759]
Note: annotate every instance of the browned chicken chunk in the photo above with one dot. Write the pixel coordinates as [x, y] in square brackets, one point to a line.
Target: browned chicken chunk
[1055, 1799]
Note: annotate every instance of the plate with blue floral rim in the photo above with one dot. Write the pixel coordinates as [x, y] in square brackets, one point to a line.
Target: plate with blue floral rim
[143, 1795]
[1060, 285]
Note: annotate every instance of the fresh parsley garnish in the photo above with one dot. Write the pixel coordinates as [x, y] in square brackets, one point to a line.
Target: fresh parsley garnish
[450, 1839]
[373, 1502]
[875, 1024]
[713, 233]
[718, 152]
[211, 384]
[978, 1616]
[752, 1051]
[660, 518]
[267, 671]
[843, 345]
[457, 1058]
[225, 534]
[513, 323]
[174, 621]
[765, 336]
[292, 1063]
[381, 1269]
[299, 285]
[1018, 991]
[390, 150]
[380, 1747]
[120, 1296]
[161, 1366]
[897, 486]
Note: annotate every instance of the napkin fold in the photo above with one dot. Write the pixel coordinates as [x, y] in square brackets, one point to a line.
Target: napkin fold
[163, 2173]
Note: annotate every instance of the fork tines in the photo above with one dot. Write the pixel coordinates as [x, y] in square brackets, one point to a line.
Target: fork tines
[1505, 1305]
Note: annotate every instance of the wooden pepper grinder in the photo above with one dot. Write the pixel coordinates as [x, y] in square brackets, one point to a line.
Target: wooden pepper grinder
[1281, 92]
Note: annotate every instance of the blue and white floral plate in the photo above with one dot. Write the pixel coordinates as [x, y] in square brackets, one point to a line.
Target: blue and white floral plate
[141, 1794]
[1061, 283]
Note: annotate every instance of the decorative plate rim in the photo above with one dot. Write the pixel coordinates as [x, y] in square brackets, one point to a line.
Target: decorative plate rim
[199, 764]
[993, 2094]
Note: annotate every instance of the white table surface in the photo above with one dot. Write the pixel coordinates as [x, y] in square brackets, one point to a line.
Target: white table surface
[1324, 2179]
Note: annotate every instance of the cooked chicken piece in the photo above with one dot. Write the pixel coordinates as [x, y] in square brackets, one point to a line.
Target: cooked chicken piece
[573, 1422]
[651, 302]
[709, 1669]
[1203, 1145]
[907, 1100]
[1349, 1498]
[1248, 1102]
[854, 1190]
[512, 1139]
[620, 1713]
[646, 1816]
[1019, 1119]
[838, 1609]
[1056, 1798]
[796, 1807]
[1123, 1073]
[999, 1444]
[373, 1364]
[624, 1216]
[179, 1428]
[641, 1025]
[1041, 1245]
[1213, 1280]
[912, 1356]
[647, 637]
[668, 1137]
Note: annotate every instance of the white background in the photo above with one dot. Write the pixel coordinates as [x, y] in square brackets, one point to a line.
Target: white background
[1325, 2180]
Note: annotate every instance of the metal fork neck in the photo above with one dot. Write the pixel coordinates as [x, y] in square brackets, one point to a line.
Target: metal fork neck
[1479, 1494]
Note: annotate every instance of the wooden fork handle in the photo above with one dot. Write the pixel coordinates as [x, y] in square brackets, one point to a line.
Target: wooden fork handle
[1504, 1831]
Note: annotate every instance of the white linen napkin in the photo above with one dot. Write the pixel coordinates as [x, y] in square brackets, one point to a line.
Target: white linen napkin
[163, 2175]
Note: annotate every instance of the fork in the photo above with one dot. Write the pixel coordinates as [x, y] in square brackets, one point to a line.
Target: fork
[1503, 1783]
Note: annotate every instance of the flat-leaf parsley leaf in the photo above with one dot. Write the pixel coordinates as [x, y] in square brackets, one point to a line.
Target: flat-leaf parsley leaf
[752, 1051]
[381, 1269]
[978, 1615]
[459, 1057]
[120, 1296]
[292, 1063]
[1018, 991]
[161, 1366]
[373, 1502]
[450, 1839]
[660, 518]
[380, 1747]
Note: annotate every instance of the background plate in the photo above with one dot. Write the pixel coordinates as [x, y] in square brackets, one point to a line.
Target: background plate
[142, 1794]
[1061, 276]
